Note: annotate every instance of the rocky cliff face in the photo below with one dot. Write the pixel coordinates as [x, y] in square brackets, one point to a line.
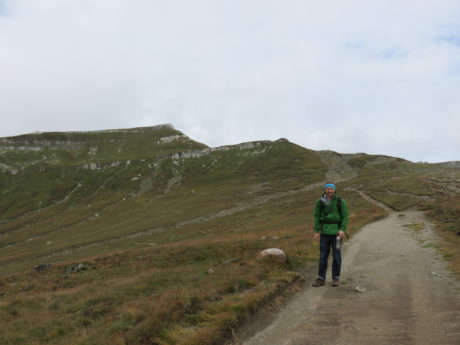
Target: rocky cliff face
[92, 149]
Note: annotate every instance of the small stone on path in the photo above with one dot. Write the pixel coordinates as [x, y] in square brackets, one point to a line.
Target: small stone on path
[360, 289]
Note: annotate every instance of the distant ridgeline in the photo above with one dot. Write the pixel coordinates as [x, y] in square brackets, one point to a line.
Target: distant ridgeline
[95, 145]
[95, 148]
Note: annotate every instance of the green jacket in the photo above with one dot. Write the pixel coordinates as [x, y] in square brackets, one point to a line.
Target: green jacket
[330, 213]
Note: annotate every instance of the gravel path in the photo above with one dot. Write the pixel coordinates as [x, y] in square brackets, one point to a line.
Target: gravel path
[410, 297]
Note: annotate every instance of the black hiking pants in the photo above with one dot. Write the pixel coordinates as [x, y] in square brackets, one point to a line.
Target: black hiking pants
[325, 244]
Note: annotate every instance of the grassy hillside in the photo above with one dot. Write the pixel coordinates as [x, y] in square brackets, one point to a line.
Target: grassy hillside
[168, 230]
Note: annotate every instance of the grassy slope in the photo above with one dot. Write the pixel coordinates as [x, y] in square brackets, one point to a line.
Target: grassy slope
[446, 216]
[171, 246]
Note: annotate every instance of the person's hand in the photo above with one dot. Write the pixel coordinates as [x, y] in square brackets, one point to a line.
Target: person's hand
[341, 234]
[317, 236]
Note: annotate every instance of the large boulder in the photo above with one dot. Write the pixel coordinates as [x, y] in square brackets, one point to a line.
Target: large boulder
[274, 254]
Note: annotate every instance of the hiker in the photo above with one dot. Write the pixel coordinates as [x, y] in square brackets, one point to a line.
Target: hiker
[331, 218]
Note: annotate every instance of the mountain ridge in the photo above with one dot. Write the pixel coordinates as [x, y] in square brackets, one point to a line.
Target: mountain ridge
[29, 139]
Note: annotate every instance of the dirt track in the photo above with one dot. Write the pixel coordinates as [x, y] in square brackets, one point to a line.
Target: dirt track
[411, 297]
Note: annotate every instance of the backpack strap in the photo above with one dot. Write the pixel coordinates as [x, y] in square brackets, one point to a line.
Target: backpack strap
[339, 206]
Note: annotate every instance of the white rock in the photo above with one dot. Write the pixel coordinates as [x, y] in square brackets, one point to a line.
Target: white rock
[360, 289]
[274, 253]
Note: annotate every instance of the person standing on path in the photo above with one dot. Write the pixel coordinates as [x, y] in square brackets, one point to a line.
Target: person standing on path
[331, 219]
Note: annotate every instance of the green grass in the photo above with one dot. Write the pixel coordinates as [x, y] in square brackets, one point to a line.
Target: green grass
[445, 214]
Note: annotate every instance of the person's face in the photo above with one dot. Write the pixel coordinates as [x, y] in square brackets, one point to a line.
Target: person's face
[330, 191]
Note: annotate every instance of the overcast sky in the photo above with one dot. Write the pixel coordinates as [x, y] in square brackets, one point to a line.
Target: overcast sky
[381, 77]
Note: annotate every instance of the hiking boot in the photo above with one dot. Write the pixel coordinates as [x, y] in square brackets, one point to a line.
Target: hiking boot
[318, 282]
[335, 282]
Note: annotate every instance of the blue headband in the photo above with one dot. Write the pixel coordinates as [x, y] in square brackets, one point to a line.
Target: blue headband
[329, 185]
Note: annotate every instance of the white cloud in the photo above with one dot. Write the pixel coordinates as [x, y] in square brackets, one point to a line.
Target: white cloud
[355, 76]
